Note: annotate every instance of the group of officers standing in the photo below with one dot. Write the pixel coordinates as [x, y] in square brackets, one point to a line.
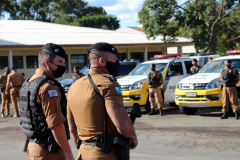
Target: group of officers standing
[10, 86]
[229, 77]
[94, 108]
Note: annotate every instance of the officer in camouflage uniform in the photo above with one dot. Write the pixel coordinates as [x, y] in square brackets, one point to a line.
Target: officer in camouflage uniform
[77, 74]
[195, 68]
[155, 80]
[229, 77]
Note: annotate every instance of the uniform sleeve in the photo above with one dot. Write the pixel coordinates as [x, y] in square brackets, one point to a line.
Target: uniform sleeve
[51, 104]
[69, 112]
[112, 94]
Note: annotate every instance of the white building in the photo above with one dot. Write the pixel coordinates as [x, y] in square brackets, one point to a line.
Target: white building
[21, 41]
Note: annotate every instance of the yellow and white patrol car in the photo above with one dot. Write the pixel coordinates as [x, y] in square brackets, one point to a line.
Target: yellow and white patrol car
[134, 86]
[204, 88]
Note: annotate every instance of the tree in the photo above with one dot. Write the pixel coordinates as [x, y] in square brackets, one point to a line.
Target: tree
[199, 19]
[98, 21]
[58, 11]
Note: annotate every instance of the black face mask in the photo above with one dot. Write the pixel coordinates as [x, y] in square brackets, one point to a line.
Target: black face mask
[229, 65]
[8, 72]
[194, 64]
[113, 67]
[153, 69]
[59, 71]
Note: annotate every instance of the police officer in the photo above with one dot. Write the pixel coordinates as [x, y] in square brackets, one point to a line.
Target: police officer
[5, 98]
[87, 110]
[229, 78]
[155, 80]
[77, 74]
[195, 68]
[14, 81]
[209, 60]
[42, 103]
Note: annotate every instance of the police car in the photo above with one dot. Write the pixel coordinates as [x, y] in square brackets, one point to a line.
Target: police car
[204, 88]
[134, 85]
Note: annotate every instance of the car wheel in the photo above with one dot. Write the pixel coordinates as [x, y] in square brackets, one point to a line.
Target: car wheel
[187, 110]
[173, 104]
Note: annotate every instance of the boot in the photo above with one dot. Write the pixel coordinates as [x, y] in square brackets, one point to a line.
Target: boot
[152, 112]
[225, 115]
[236, 115]
[160, 111]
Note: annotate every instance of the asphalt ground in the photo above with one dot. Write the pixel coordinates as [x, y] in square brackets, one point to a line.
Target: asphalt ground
[173, 136]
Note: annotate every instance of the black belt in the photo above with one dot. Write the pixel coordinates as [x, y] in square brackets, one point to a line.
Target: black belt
[229, 85]
[38, 141]
[17, 86]
[92, 143]
[153, 86]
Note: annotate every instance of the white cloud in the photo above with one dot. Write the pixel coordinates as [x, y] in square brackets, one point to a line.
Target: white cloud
[125, 10]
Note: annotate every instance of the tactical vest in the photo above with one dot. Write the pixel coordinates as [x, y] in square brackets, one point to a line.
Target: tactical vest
[228, 77]
[194, 70]
[153, 80]
[33, 119]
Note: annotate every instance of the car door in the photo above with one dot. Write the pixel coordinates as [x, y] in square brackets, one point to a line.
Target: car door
[174, 74]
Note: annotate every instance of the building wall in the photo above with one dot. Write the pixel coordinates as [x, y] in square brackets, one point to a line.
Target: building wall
[79, 50]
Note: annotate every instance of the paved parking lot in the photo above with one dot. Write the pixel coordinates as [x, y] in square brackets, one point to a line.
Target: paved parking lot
[170, 137]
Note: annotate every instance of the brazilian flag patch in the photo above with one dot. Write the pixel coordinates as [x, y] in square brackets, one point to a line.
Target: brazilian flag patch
[119, 90]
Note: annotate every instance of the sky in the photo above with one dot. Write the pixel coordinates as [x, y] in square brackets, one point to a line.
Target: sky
[125, 10]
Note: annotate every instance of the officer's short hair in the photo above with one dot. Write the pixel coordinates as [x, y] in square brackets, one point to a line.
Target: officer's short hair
[14, 68]
[76, 67]
[6, 68]
[100, 49]
[153, 65]
[50, 51]
[195, 60]
[228, 61]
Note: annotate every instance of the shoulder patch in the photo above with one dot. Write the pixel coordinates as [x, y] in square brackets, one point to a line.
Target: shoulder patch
[52, 93]
[119, 90]
[110, 77]
[51, 82]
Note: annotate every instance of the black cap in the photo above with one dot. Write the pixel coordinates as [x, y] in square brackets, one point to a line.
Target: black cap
[55, 49]
[228, 61]
[195, 60]
[103, 46]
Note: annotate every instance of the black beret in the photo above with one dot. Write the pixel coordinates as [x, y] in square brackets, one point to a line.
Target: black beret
[153, 65]
[55, 49]
[195, 60]
[14, 68]
[228, 61]
[103, 46]
[76, 67]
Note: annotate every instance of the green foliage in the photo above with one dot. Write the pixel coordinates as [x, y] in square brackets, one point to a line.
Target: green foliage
[59, 11]
[98, 21]
[204, 21]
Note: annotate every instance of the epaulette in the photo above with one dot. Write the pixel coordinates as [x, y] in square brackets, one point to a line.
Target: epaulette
[51, 82]
[110, 77]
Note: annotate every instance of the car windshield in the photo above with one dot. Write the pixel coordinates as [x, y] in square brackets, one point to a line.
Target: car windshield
[217, 65]
[125, 68]
[144, 69]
